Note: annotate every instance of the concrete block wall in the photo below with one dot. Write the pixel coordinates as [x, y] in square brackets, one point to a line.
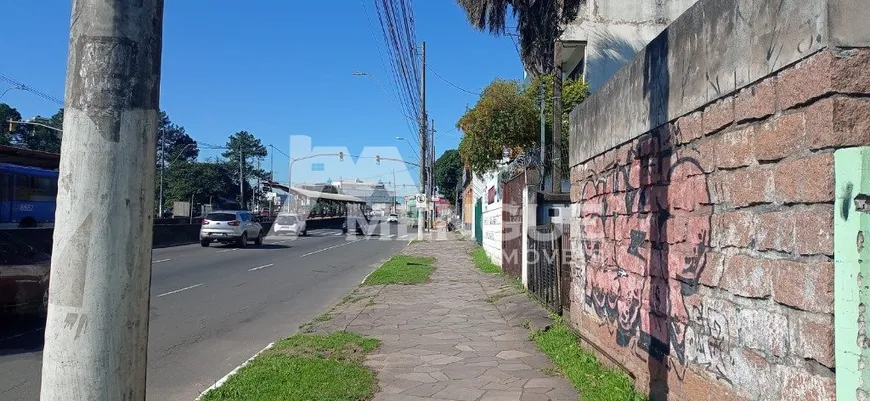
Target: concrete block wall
[703, 218]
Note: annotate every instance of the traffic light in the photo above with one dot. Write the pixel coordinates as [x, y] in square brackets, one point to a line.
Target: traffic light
[341, 156]
[378, 159]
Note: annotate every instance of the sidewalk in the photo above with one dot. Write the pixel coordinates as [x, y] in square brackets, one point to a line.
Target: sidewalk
[448, 339]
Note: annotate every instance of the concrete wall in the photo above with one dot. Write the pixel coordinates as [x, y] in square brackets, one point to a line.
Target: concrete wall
[492, 233]
[614, 31]
[703, 191]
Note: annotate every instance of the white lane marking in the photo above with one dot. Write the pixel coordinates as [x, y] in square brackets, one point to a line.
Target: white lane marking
[404, 236]
[160, 261]
[326, 249]
[337, 235]
[261, 267]
[22, 334]
[228, 250]
[233, 372]
[179, 290]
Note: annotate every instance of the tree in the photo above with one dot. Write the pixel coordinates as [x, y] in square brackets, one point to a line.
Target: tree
[502, 119]
[204, 181]
[448, 169]
[8, 113]
[41, 138]
[539, 24]
[177, 145]
[574, 91]
[251, 150]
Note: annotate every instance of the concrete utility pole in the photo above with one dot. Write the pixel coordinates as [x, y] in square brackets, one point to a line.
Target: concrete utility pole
[241, 179]
[423, 135]
[557, 117]
[162, 167]
[543, 163]
[432, 175]
[96, 335]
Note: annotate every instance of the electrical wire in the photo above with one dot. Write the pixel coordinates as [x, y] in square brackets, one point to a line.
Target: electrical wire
[451, 83]
[36, 92]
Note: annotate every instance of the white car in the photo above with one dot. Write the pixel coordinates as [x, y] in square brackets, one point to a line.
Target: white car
[291, 224]
[230, 226]
[394, 218]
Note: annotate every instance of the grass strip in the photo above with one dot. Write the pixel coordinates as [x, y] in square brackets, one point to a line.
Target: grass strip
[481, 260]
[402, 269]
[593, 381]
[305, 367]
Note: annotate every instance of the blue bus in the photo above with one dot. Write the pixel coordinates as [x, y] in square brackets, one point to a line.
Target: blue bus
[28, 196]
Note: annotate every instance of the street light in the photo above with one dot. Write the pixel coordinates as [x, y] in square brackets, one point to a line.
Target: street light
[401, 138]
[377, 81]
[31, 122]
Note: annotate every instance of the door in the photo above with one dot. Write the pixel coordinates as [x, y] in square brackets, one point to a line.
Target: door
[478, 221]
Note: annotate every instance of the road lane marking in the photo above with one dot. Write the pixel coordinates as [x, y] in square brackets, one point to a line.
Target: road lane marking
[326, 249]
[337, 235]
[160, 261]
[22, 334]
[404, 236]
[261, 267]
[233, 372]
[179, 290]
[229, 250]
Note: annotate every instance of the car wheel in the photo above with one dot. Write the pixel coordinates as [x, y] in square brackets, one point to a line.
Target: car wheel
[204, 243]
[259, 240]
[43, 308]
[305, 232]
[243, 242]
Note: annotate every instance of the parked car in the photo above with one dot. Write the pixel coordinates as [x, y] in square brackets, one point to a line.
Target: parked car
[394, 218]
[24, 277]
[289, 223]
[230, 227]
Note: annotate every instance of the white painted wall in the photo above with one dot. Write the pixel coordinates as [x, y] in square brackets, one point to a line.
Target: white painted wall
[492, 218]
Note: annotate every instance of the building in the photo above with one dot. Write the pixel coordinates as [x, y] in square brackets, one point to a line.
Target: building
[376, 194]
[607, 34]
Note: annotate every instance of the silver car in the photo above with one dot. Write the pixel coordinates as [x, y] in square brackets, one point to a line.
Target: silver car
[230, 227]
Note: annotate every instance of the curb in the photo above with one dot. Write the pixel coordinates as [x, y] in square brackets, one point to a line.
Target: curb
[232, 373]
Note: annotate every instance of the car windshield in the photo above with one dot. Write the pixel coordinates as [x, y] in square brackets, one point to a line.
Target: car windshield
[286, 220]
[221, 216]
[394, 215]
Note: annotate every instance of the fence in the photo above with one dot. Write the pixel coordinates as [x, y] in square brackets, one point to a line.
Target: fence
[549, 266]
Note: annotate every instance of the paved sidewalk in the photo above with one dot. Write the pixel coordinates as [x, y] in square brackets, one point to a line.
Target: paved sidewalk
[448, 339]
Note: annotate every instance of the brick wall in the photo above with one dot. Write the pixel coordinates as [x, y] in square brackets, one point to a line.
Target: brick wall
[707, 242]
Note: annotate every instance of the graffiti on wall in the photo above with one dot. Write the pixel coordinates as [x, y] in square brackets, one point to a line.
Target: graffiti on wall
[644, 229]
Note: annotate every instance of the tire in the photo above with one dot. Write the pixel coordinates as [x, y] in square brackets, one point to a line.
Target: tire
[243, 242]
[42, 311]
[204, 243]
[305, 232]
[259, 240]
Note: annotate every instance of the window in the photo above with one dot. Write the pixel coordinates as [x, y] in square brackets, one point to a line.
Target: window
[221, 216]
[5, 194]
[286, 220]
[31, 188]
[318, 167]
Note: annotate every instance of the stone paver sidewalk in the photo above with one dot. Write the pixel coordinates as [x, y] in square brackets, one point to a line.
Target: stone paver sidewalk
[448, 339]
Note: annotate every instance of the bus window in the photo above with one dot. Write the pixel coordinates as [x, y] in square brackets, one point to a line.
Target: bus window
[5, 190]
[22, 187]
[43, 189]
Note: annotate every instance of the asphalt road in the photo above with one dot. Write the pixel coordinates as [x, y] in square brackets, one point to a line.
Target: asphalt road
[213, 308]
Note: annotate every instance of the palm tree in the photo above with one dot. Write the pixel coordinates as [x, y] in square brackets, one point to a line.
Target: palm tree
[539, 24]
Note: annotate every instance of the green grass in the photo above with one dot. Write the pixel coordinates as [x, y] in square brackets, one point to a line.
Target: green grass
[305, 367]
[591, 379]
[481, 260]
[402, 269]
[323, 318]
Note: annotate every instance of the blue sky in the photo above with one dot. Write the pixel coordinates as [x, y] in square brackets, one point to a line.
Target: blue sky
[276, 69]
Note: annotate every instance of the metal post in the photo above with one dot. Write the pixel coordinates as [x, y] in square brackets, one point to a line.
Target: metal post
[272, 180]
[96, 335]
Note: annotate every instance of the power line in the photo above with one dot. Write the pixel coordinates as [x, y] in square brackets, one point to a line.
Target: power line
[451, 83]
[21, 86]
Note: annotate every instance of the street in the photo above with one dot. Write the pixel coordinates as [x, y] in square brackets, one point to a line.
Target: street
[213, 308]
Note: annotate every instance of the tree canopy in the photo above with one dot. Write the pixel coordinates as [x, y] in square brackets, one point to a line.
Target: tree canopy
[448, 169]
[539, 23]
[507, 116]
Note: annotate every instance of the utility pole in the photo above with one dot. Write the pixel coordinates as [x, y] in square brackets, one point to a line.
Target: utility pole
[395, 193]
[241, 179]
[162, 167]
[256, 205]
[543, 163]
[432, 175]
[557, 117]
[271, 180]
[423, 135]
[96, 335]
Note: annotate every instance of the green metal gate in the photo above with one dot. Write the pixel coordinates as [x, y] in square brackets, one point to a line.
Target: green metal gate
[478, 221]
